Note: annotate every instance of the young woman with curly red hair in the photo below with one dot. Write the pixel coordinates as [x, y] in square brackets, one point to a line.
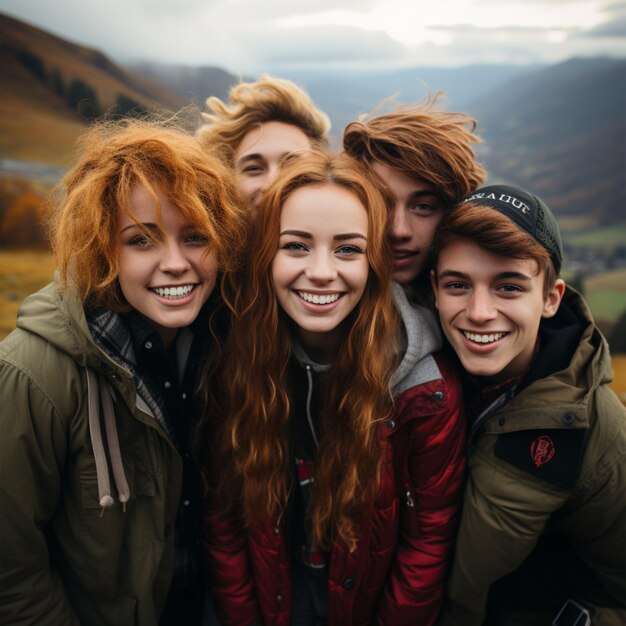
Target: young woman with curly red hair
[100, 507]
[338, 440]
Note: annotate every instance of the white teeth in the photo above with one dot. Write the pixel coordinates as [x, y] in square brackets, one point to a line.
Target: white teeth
[476, 338]
[173, 292]
[317, 299]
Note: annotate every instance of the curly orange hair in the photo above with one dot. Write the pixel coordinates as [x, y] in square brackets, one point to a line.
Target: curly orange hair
[254, 398]
[269, 99]
[115, 157]
[422, 142]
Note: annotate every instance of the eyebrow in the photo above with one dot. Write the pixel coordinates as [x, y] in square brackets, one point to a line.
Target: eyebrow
[256, 156]
[306, 235]
[423, 193]
[500, 276]
[426, 193]
[148, 225]
[155, 227]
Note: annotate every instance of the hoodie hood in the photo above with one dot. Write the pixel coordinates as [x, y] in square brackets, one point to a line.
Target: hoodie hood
[59, 318]
[421, 338]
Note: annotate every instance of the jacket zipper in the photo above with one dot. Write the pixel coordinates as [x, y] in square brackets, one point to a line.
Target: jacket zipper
[499, 402]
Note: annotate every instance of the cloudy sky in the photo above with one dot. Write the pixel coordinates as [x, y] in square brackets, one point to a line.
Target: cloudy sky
[252, 36]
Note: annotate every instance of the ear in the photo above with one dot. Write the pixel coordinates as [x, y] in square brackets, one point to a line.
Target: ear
[433, 284]
[553, 301]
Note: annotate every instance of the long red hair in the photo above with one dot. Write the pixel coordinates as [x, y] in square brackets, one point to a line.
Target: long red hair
[252, 394]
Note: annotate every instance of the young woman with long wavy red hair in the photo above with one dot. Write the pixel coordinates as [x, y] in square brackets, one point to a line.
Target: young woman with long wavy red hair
[338, 442]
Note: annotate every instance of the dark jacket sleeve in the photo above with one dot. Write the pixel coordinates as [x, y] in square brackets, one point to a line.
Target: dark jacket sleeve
[32, 457]
[436, 466]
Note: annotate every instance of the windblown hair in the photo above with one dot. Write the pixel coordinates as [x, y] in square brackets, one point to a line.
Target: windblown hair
[115, 157]
[250, 104]
[254, 392]
[495, 233]
[421, 142]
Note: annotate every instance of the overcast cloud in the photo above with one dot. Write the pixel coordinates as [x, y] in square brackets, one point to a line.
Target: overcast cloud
[249, 37]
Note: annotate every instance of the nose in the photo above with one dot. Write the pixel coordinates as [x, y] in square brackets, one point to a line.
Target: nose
[174, 260]
[399, 224]
[321, 268]
[480, 308]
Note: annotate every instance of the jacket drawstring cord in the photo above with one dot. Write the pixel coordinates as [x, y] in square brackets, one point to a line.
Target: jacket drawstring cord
[95, 432]
[309, 395]
[121, 484]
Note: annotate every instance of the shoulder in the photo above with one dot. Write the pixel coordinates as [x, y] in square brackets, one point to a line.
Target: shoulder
[433, 411]
[568, 445]
[36, 373]
[443, 389]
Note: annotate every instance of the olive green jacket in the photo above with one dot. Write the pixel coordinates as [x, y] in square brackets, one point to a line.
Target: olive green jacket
[553, 453]
[63, 558]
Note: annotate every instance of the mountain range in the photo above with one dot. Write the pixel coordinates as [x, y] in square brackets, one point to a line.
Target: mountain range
[558, 130]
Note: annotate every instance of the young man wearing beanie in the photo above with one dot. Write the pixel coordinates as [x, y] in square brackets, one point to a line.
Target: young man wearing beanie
[541, 539]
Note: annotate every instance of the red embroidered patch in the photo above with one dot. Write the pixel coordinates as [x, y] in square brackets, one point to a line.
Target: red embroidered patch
[541, 450]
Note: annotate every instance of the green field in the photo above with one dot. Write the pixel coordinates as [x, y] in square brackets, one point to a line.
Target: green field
[21, 273]
[605, 239]
[606, 294]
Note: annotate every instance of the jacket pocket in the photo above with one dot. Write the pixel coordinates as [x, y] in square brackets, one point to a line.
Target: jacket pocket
[141, 481]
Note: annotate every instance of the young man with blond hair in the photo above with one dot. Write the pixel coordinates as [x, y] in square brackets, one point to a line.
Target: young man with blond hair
[261, 123]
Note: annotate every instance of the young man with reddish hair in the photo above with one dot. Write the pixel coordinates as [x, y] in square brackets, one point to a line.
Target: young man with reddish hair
[542, 531]
[422, 157]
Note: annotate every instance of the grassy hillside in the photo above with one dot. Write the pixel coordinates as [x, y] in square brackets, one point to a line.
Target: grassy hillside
[52, 88]
[606, 295]
[560, 132]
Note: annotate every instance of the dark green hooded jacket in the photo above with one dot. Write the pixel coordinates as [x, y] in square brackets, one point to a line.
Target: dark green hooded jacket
[549, 462]
[63, 558]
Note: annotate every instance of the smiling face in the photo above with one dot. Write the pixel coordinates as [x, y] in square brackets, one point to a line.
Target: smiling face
[490, 308]
[259, 155]
[320, 269]
[169, 277]
[415, 216]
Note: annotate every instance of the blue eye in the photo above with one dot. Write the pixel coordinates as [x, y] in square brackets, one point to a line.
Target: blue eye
[349, 250]
[294, 246]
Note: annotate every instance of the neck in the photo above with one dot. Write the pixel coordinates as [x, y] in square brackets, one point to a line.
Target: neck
[322, 347]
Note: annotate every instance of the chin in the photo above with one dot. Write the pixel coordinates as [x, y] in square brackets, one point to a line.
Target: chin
[480, 369]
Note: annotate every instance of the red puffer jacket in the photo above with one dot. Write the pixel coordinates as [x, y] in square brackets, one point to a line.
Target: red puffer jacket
[396, 574]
